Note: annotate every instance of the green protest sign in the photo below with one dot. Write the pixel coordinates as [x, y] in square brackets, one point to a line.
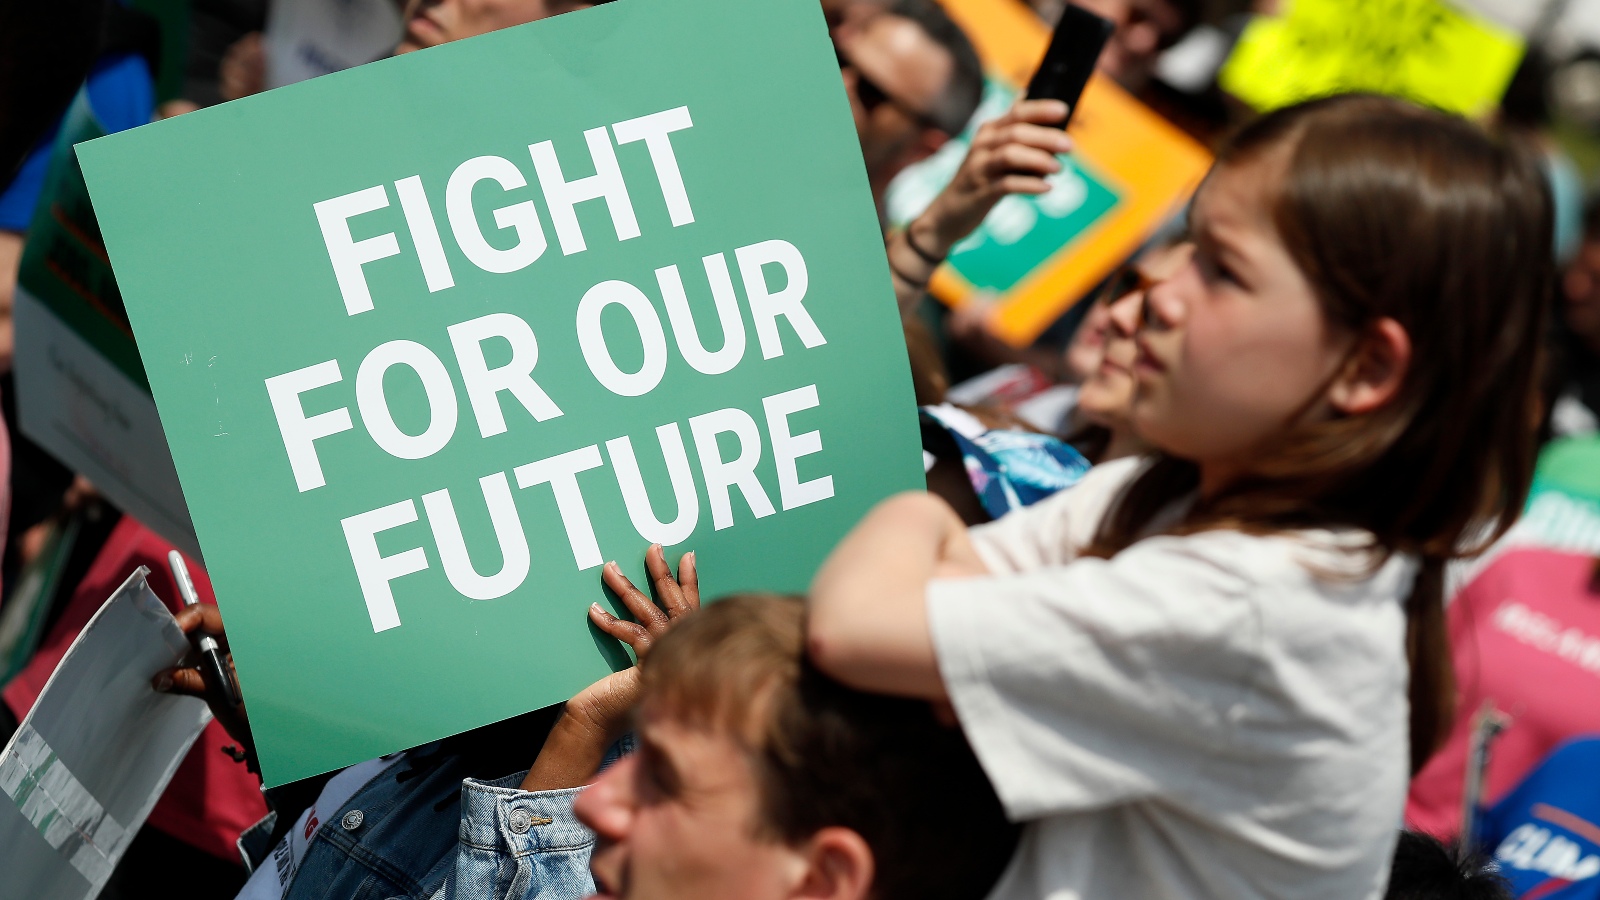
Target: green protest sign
[433, 338]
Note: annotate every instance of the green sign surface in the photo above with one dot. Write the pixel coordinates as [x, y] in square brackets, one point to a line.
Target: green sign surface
[433, 338]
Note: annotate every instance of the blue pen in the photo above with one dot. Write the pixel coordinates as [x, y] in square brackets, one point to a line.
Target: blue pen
[209, 649]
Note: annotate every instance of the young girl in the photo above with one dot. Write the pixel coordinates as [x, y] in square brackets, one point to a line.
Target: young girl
[1190, 673]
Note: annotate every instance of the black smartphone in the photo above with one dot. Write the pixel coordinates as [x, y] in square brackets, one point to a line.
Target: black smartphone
[1079, 38]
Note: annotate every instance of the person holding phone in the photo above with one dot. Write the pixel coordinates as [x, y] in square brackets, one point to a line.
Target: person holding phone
[1209, 671]
[912, 79]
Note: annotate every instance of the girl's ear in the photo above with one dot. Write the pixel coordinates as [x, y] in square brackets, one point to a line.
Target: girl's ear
[839, 866]
[1376, 369]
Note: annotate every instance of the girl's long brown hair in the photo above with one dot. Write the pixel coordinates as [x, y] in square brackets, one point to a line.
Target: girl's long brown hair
[1392, 210]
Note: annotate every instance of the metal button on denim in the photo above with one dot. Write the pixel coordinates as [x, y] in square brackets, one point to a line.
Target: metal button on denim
[352, 820]
[521, 820]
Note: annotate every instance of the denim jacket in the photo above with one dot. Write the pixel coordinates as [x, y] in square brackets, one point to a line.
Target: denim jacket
[519, 844]
[423, 830]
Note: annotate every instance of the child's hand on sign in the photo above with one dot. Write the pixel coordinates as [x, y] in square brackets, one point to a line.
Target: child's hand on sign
[677, 596]
[598, 714]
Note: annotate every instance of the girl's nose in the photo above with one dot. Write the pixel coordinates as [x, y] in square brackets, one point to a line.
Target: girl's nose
[1156, 275]
[1163, 308]
[1126, 312]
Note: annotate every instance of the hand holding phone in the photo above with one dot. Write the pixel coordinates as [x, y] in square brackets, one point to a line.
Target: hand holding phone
[1067, 65]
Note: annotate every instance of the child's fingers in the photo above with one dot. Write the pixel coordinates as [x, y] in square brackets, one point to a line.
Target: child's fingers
[642, 608]
[631, 633]
[689, 579]
[667, 587]
[184, 682]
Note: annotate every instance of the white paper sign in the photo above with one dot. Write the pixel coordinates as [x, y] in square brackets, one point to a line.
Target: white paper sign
[90, 415]
[95, 752]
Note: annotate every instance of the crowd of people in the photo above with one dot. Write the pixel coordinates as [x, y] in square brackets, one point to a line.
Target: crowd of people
[1220, 611]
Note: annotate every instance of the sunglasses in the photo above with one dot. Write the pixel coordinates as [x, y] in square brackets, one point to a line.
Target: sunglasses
[1127, 280]
[872, 96]
[1124, 282]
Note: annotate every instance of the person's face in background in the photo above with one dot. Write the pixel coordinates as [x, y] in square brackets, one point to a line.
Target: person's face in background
[1088, 343]
[1235, 345]
[677, 820]
[1106, 398]
[894, 75]
[1144, 29]
[433, 22]
[1581, 294]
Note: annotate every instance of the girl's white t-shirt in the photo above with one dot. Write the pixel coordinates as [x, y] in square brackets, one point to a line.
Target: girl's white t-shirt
[1215, 715]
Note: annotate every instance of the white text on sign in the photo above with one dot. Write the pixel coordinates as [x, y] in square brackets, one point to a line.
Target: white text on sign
[727, 443]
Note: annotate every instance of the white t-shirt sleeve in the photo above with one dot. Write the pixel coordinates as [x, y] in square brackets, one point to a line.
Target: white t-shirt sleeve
[1103, 681]
[1052, 531]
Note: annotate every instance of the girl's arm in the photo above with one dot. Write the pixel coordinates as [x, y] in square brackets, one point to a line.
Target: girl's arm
[868, 621]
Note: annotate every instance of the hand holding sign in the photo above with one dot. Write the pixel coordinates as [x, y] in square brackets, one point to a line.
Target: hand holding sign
[446, 332]
[593, 718]
[678, 596]
[598, 714]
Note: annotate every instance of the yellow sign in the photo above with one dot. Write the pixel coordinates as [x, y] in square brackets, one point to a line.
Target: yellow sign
[1423, 50]
[1130, 171]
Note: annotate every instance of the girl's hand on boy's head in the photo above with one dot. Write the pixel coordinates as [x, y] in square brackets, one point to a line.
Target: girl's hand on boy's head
[867, 622]
[957, 557]
[964, 568]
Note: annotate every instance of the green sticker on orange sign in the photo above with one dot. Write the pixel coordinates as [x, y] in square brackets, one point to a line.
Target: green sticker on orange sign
[1429, 51]
[1023, 230]
[435, 337]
